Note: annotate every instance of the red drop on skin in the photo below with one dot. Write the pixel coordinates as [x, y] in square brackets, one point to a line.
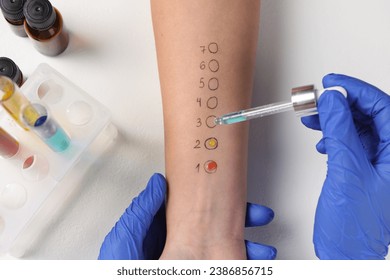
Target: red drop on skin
[211, 166]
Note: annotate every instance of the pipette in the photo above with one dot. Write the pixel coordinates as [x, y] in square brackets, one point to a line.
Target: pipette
[303, 102]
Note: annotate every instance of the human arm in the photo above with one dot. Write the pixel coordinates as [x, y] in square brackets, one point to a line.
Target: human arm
[353, 212]
[206, 54]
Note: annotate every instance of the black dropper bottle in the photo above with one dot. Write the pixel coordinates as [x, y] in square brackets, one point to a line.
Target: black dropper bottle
[9, 69]
[13, 14]
[45, 27]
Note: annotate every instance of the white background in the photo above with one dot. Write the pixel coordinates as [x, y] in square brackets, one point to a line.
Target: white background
[112, 57]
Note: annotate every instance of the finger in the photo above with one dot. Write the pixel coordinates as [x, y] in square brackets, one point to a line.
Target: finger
[258, 215]
[150, 199]
[321, 146]
[256, 251]
[139, 215]
[312, 122]
[126, 238]
[340, 139]
[371, 101]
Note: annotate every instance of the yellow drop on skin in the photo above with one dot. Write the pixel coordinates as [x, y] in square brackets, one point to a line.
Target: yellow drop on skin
[212, 143]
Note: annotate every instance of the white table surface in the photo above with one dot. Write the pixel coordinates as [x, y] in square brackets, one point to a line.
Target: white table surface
[112, 57]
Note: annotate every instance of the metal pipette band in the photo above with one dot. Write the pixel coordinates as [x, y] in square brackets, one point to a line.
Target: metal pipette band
[303, 102]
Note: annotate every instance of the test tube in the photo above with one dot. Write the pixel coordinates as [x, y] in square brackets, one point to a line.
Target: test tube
[13, 100]
[9, 146]
[37, 118]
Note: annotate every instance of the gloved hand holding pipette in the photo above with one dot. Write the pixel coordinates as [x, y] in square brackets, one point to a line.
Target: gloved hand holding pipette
[141, 231]
[353, 213]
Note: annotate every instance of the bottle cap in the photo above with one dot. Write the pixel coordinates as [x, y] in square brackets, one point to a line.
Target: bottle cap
[304, 100]
[12, 9]
[11, 70]
[39, 14]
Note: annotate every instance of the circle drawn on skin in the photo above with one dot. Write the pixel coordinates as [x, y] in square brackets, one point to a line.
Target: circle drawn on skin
[50, 92]
[2, 225]
[212, 103]
[213, 65]
[79, 113]
[13, 196]
[213, 48]
[210, 122]
[210, 166]
[213, 84]
[211, 143]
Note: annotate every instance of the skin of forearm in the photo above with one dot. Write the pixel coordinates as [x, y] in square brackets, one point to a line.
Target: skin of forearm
[206, 52]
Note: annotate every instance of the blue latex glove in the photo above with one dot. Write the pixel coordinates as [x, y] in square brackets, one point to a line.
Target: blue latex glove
[141, 231]
[353, 213]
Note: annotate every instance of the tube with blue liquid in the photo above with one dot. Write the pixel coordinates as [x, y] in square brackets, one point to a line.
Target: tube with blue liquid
[37, 118]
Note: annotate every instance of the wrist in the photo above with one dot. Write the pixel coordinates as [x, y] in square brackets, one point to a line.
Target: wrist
[203, 224]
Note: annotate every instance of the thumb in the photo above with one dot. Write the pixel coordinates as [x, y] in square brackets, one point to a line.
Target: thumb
[125, 240]
[340, 139]
[149, 201]
[140, 214]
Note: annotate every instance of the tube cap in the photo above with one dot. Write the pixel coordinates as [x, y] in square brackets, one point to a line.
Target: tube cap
[39, 14]
[12, 9]
[11, 70]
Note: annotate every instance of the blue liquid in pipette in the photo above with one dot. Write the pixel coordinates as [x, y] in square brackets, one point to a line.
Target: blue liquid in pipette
[234, 120]
[59, 141]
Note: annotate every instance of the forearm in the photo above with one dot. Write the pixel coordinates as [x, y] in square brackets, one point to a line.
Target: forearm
[206, 53]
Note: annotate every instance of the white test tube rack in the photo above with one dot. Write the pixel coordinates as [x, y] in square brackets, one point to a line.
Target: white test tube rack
[37, 181]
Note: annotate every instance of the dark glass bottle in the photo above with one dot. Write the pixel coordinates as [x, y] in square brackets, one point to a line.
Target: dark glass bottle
[9, 69]
[13, 14]
[44, 25]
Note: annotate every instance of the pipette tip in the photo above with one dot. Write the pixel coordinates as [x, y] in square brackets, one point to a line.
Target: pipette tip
[218, 121]
[230, 119]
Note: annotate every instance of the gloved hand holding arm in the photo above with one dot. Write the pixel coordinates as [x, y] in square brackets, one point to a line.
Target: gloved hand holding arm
[353, 213]
[141, 231]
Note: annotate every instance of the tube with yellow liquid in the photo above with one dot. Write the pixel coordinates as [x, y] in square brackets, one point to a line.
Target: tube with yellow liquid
[13, 101]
